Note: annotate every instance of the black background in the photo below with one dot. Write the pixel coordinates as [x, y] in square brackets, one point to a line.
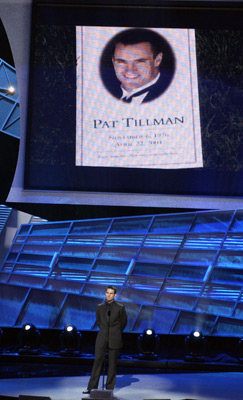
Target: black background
[50, 155]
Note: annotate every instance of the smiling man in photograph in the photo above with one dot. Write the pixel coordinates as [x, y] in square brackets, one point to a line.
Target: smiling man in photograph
[137, 65]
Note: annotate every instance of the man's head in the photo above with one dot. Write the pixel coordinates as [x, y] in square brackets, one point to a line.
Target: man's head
[136, 58]
[110, 293]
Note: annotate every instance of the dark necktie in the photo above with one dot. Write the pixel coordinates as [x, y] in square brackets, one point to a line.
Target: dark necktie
[129, 99]
[108, 311]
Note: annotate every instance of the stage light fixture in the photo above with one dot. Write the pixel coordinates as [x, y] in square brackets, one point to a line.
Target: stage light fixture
[148, 345]
[9, 90]
[70, 340]
[240, 351]
[29, 339]
[195, 345]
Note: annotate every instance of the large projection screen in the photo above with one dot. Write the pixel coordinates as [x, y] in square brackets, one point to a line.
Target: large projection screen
[178, 143]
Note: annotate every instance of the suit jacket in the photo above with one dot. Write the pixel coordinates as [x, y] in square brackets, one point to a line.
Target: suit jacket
[111, 327]
[154, 91]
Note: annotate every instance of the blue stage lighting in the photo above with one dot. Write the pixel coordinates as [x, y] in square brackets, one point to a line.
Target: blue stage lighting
[29, 339]
[70, 339]
[148, 345]
[195, 345]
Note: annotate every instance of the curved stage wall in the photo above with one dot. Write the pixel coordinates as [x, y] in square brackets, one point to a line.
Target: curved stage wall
[173, 272]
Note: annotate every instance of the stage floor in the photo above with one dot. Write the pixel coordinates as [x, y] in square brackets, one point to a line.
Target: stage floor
[178, 386]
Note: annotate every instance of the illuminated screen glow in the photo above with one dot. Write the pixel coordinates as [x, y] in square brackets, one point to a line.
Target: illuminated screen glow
[161, 133]
[82, 138]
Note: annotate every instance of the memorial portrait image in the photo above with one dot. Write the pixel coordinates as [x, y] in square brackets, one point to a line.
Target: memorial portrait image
[137, 98]
[137, 65]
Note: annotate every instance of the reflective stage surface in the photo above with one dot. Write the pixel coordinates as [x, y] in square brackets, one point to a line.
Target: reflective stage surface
[176, 386]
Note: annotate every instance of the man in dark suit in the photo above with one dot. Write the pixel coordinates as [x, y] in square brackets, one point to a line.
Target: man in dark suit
[111, 319]
[137, 68]
[143, 65]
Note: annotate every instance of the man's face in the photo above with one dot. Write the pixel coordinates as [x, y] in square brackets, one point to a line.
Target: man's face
[135, 64]
[110, 295]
